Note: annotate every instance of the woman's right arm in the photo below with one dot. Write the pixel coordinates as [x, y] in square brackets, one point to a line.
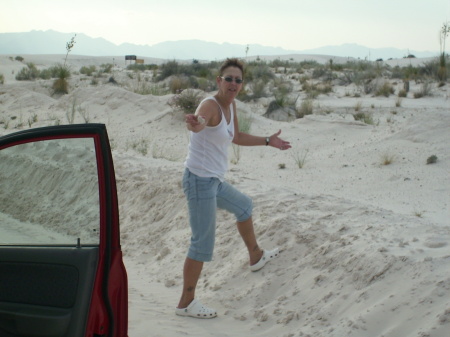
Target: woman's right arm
[204, 116]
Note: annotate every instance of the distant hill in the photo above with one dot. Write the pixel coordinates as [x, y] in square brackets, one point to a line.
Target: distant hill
[52, 42]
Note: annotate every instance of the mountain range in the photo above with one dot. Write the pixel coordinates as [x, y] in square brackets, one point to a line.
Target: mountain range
[52, 42]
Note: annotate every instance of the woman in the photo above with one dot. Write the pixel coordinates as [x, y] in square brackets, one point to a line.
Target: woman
[213, 127]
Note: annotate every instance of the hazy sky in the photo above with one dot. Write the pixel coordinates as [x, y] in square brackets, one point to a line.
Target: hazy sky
[290, 24]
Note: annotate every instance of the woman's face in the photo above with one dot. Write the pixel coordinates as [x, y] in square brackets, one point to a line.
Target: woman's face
[227, 82]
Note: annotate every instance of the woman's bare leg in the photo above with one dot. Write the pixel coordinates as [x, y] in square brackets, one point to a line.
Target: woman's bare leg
[247, 233]
[191, 274]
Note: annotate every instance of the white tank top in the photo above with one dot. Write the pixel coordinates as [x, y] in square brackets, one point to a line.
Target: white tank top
[208, 149]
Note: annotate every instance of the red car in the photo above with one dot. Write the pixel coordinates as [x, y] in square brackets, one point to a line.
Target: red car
[61, 267]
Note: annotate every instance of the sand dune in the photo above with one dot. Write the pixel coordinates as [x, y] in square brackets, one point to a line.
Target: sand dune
[365, 246]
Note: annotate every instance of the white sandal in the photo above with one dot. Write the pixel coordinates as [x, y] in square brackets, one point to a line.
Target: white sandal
[197, 310]
[267, 256]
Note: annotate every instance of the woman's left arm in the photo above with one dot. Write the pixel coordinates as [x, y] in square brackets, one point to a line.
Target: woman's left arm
[245, 139]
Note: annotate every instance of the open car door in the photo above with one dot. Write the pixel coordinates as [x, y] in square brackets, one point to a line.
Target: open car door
[61, 268]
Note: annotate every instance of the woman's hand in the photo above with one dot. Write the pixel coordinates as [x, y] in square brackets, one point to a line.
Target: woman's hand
[195, 123]
[277, 142]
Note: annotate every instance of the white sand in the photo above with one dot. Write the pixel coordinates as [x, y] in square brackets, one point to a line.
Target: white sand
[365, 246]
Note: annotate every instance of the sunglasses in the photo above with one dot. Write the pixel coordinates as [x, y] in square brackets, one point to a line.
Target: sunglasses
[230, 79]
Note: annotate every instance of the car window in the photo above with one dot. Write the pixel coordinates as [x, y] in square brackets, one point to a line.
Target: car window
[49, 193]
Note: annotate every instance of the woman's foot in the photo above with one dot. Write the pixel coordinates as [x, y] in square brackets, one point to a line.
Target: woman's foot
[266, 257]
[197, 310]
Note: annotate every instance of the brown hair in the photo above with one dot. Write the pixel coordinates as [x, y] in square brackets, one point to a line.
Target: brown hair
[233, 62]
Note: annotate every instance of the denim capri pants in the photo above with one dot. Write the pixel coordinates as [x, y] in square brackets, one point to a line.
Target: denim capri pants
[204, 196]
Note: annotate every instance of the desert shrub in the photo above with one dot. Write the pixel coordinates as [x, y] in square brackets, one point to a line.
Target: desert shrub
[425, 90]
[45, 74]
[432, 159]
[384, 89]
[402, 93]
[363, 117]
[306, 108]
[300, 157]
[282, 87]
[141, 67]
[106, 68]
[30, 72]
[322, 72]
[195, 69]
[245, 122]
[187, 101]
[273, 106]
[60, 85]
[315, 89]
[205, 84]
[387, 158]
[2, 79]
[305, 65]
[19, 58]
[168, 69]
[259, 71]
[178, 84]
[258, 88]
[88, 70]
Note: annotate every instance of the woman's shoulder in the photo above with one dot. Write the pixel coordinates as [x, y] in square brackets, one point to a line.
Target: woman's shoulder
[208, 102]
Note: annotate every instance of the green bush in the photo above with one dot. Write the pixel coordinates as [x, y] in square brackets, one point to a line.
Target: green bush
[2, 79]
[19, 58]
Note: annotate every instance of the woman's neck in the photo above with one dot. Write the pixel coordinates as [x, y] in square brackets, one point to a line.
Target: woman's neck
[223, 101]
